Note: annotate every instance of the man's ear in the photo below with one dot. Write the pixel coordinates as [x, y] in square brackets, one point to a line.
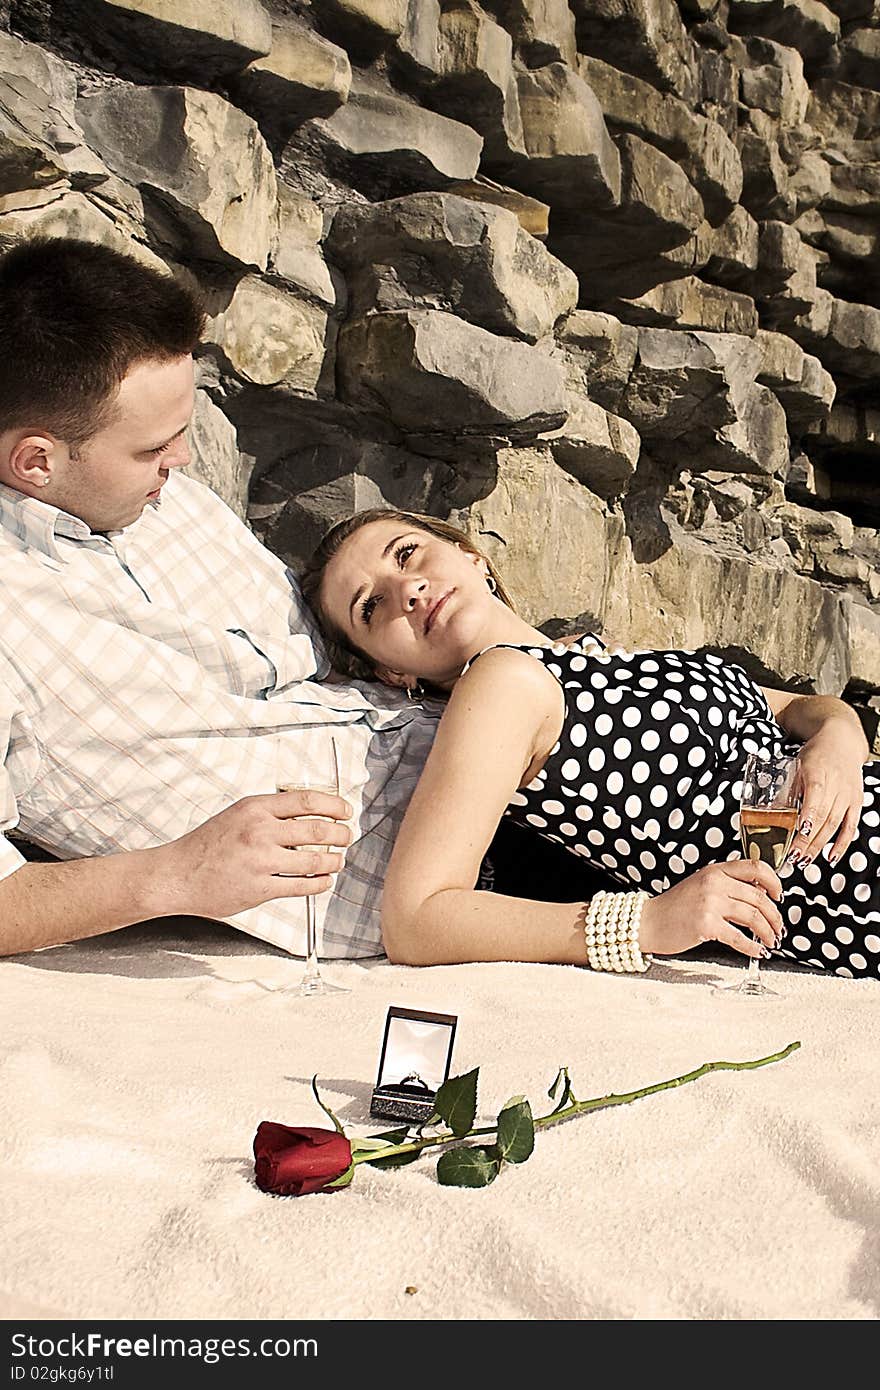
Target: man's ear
[32, 459]
[395, 678]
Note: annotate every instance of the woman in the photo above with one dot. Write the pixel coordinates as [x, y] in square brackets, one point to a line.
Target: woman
[630, 760]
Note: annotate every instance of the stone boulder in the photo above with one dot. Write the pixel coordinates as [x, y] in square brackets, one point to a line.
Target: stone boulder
[690, 303]
[216, 459]
[583, 563]
[863, 632]
[806, 482]
[475, 81]
[853, 188]
[603, 349]
[773, 81]
[364, 27]
[201, 163]
[40, 140]
[851, 346]
[303, 75]
[27, 160]
[706, 154]
[532, 214]
[296, 254]
[569, 159]
[699, 390]
[659, 210]
[857, 58]
[847, 117]
[272, 338]
[729, 251]
[779, 259]
[327, 473]
[197, 39]
[441, 251]
[800, 383]
[644, 37]
[811, 181]
[434, 374]
[806, 25]
[765, 192]
[599, 449]
[72, 214]
[559, 567]
[379, 140]
[543, 31]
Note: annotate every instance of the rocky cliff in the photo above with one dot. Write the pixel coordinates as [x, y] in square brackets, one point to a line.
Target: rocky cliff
[598, 280]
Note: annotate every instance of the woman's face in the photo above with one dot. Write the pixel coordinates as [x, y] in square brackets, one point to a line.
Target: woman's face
[415, 604]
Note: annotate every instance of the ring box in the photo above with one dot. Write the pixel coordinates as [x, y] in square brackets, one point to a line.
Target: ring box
[413, 1064]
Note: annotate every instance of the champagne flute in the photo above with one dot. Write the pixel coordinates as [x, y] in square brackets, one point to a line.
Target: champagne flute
[321, 775]
[768, 819]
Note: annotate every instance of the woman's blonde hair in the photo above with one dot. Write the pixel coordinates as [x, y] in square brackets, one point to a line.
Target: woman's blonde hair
[344, 654]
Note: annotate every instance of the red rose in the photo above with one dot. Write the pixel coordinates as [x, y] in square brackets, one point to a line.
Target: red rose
[292, 1162]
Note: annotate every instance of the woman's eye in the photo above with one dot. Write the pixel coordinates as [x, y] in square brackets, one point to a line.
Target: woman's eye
[161, 450]
[367, 610]
[403, 553]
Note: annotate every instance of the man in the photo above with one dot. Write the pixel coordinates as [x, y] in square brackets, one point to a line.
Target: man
[157, 667]
[156, 664]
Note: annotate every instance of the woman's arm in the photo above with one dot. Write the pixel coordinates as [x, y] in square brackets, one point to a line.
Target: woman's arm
[504, 712]
[835, 748]
[499, 714]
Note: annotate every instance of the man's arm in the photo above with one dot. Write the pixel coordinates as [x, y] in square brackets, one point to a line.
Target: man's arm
[246, 855]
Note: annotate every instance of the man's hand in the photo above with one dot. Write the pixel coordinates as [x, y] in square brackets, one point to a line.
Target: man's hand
[252, 852]
[721, 902]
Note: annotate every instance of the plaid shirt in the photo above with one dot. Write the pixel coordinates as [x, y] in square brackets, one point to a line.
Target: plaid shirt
[152, 676]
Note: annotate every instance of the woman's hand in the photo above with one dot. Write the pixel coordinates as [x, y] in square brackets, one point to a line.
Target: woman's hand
[712, 905]
[831, 791]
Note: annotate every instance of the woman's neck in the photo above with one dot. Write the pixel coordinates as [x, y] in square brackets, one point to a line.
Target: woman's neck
[504, 626]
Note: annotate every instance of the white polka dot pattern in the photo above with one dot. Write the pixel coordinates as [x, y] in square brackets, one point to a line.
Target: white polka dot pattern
[650, 757]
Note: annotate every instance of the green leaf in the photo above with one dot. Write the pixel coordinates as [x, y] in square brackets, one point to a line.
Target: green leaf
[394, 1160]
[392, 1136]
[468, 1166]
[456, 1102]
[567, 1096]
[326, 1109]
[516, 1131]
[344, 1178]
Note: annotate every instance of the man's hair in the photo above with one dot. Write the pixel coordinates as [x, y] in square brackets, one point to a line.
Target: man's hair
[344, 654]
[76, 317]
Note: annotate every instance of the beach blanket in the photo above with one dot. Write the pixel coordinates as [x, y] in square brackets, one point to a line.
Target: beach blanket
[135, 1068]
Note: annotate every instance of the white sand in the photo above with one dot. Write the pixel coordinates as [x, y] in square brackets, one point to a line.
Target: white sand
[135, 1068]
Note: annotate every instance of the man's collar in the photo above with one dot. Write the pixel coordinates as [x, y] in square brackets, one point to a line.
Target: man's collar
[37, 523]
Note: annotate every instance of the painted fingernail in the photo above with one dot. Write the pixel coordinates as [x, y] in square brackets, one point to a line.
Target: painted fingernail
[806, 826]
[793, 857]
[832, 859]
[765, 952]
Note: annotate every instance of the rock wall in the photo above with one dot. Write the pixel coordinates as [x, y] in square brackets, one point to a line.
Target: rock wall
[598, 280]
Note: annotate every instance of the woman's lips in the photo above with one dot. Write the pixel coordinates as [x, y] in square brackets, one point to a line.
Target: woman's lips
[432, 612]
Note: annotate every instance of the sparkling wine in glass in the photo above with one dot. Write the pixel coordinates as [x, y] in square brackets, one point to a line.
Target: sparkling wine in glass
[321, 774]
[768, 820]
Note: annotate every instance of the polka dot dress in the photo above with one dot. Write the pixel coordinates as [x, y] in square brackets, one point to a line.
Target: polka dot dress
[645, 781]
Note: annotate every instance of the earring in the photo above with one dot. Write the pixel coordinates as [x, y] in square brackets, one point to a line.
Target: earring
[492, 583]
[415, 691]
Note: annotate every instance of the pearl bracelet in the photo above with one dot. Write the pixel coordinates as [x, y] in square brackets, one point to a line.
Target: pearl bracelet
[611, 932]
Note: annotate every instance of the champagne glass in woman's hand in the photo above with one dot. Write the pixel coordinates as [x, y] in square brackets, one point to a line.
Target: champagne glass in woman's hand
[768, 817]
[320, 774]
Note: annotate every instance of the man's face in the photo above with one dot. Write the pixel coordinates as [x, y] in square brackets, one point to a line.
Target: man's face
[124, 466]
